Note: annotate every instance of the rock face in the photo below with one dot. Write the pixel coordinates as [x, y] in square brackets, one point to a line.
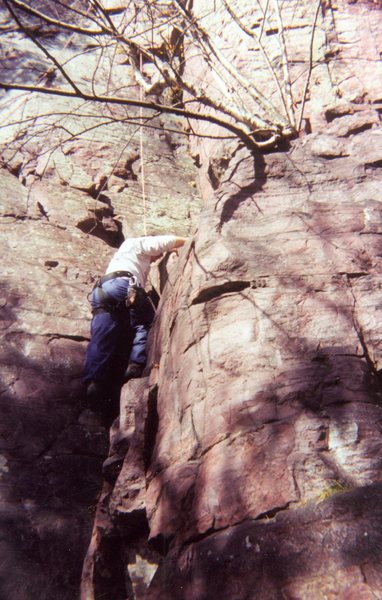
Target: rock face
[302, 553]
[247, 464]
[275, 400]
[50, 452]
[257, 473]
[64, 208]
[264, 472]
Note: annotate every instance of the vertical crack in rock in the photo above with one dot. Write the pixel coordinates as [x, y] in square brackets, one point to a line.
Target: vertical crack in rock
[264, 406]
[120, 561]
[361, 337]
[151, 426]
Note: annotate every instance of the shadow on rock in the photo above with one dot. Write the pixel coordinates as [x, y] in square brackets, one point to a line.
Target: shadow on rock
[51, 457]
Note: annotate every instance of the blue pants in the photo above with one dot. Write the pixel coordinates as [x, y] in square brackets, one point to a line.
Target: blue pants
[117, 336]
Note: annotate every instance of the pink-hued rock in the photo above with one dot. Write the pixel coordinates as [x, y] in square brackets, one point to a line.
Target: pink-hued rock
[266, 357]
[310, 552]
[246, 463]
[354, 123]
[269, 393]
[64, 207]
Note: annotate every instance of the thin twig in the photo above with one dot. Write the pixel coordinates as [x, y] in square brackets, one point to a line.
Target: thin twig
[285, 65]
[211, 47]
[58, 23]
[310, 65]
[142, 161]
[162, 108]
[253, 36]
[264, 12]
[42, 48]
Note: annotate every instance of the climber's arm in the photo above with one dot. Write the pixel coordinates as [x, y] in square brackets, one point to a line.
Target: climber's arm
[157, 245]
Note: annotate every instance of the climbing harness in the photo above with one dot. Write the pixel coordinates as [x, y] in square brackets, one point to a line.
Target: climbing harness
[114, 275]
[108, 304]
[135, 298]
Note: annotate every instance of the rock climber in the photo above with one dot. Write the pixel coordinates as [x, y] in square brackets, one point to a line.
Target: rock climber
[122, 314]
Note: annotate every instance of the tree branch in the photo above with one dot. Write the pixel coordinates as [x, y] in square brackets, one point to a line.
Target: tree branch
[252, 34]
[42, 48]
[310, 65]
[205, 39]
[285, 65]
[242, 109]
[58, 23]
[245, 136]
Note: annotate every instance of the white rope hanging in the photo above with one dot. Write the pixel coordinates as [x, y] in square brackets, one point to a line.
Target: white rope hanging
[141, 151]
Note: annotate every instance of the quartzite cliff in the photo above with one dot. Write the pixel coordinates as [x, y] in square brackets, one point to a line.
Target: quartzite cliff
[246, 464]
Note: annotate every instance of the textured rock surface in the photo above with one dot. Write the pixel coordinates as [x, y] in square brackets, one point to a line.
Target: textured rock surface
[291, 327]
[266, 357]
[264, 478]
[63, 208]
[248, 462]
[51, 452]
[313, 552]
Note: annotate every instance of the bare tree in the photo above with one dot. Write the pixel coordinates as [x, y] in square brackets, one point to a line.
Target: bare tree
[156, 39]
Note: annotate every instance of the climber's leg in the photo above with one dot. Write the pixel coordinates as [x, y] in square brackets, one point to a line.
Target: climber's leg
[140, 322]
[104, 336]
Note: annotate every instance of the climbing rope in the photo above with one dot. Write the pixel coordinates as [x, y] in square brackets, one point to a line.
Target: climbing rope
[141, 150]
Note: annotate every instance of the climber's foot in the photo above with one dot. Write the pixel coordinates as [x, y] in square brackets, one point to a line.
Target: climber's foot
[133, 370]
[95, 396]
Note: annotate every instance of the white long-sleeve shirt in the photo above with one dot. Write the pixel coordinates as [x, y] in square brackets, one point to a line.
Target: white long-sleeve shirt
[135, 253]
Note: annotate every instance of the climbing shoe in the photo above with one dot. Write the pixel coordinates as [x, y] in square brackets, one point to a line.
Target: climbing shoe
[133, 370]
[94, 395]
